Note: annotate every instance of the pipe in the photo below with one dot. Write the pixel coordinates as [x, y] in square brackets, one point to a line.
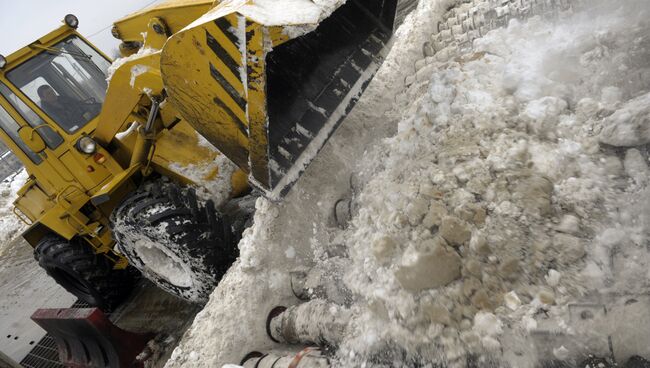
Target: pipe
[145, 137]
[314, 322]
[307, 358]
[323, 281]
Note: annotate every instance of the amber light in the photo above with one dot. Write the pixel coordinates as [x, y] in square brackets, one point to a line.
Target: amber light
[99, 158]
[90, 168]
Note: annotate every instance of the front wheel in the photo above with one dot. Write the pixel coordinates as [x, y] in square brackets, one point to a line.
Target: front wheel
[182, 245]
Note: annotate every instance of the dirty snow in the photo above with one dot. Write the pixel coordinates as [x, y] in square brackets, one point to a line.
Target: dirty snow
[10, 224]
[212, 179]
[275, 12]
[117, 63]
[288, 12]
[137, 70]
[512, 183]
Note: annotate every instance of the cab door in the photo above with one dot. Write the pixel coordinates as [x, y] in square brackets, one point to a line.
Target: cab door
[44, 166]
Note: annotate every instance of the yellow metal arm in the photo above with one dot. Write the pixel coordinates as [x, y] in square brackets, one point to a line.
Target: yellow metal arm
[129, 85]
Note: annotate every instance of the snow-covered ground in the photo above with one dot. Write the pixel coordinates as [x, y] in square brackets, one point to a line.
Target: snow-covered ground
[10, 225]
[24, 286]
[491, 191]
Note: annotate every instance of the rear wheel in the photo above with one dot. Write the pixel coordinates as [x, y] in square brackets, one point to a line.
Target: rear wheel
[85, 274]
[182, 245]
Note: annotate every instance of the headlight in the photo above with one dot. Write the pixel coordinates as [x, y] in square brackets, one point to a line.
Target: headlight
[3, 62]
[86, 144]
[71, 21]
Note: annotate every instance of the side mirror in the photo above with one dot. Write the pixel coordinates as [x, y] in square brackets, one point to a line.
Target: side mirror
[32, 139]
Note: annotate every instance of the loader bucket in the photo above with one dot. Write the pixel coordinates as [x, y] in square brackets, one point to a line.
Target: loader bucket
[266, 97]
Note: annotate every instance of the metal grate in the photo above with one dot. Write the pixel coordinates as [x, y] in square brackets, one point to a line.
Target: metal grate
[46, 354]
[80, 304]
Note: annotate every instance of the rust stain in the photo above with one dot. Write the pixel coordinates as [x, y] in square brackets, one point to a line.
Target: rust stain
[198, 45]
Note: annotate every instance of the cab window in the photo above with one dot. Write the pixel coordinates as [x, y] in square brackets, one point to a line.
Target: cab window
[51, 137]
[9, 125]
[67, 81]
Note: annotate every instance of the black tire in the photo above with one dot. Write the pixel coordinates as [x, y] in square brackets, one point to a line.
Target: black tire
[88, 276]
[183, 246]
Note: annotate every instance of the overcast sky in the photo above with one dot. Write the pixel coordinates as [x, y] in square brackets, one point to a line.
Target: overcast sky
[23, 21]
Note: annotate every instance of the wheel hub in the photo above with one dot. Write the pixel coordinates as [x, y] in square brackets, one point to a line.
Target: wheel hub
[164, 263]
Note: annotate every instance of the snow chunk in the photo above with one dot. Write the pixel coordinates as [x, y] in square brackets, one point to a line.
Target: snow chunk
[553, 277]
[434, 266]
[487, 324]
[636, 166]
[569, 224]
[144, 51]
[300, 16]
[561, 353]
[290, 252]
[629, 125]
[137, 70]
[512, 301]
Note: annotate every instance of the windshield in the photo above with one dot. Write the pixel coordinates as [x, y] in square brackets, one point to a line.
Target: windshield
[52, 138]
[68, 81]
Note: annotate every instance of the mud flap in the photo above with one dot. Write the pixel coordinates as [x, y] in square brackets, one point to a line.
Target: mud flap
[86, 338]
[270, 101]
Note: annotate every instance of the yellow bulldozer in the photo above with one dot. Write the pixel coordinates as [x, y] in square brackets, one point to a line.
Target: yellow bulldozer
[237, 95]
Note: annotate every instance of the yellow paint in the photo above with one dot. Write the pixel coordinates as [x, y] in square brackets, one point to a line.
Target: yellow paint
[176, 14]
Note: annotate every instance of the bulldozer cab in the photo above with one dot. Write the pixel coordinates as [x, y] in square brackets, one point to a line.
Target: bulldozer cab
[57, 91]
[51, 93]
[67, 81]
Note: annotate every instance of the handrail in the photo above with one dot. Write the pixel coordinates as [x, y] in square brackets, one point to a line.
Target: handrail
[61, 193]
[20, 216]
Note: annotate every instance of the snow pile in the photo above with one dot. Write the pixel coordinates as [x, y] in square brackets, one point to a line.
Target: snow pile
[509, 189]
[275, 12]
[10, 225]
[281, 239]
[235, 315]
[497, 198]
[296, 16]
[136, 69]
[289, 12]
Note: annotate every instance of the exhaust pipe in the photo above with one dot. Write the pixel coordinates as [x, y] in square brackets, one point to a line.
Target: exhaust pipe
[307, 358]
[314, 322]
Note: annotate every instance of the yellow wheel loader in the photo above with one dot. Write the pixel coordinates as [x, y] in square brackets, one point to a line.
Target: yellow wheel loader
[120, 154]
